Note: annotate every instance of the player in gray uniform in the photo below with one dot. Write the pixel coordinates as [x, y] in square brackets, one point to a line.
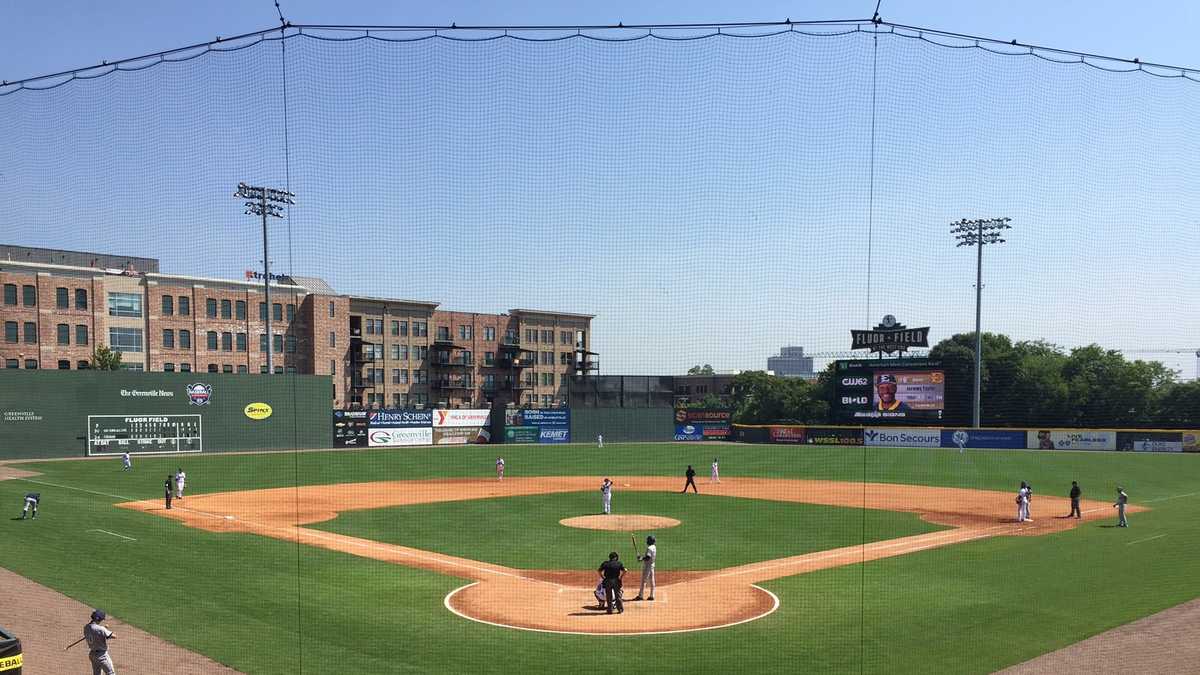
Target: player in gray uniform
[606, 495]
[1122, 500]
[97, 637]
[126, 463]
[648, 560]
[31, 502]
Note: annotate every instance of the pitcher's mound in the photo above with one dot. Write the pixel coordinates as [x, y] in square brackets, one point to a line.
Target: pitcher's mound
[622, 523]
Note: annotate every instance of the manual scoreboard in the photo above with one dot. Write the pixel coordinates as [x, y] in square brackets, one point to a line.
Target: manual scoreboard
[143, 434]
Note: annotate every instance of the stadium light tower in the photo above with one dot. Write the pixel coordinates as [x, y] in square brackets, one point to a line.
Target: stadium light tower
[979, 233]
[265, 201]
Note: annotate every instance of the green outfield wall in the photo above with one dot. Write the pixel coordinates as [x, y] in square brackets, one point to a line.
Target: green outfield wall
[622, 424]
[45, 413]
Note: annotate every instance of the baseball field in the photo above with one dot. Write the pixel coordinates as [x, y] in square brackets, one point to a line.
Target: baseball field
[803, 558]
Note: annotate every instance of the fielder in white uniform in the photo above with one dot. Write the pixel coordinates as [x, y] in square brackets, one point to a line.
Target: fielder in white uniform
[499, 468]
[716, 474]
[1023, 503]
[180, 483]
[606, 495]
[648, 559]
[600, 440]
[126, 462]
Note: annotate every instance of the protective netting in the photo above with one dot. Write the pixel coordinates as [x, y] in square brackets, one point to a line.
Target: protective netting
[710, 197]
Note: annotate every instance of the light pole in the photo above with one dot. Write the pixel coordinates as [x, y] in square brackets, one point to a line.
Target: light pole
[977, 233]
[265, 201]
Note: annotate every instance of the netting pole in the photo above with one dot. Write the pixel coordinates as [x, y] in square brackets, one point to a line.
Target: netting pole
[978, 334]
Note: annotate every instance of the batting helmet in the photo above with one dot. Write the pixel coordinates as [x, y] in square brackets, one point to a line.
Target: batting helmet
[649, 540]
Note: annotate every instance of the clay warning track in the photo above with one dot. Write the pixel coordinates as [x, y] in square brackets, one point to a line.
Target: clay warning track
[562, 601]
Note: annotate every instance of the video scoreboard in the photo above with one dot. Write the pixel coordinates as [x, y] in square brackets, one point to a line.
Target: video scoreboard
[890, 391]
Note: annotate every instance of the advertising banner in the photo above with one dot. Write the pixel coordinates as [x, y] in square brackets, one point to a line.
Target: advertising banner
[984, 438]
[558, 417]
[832, 436]
[456, 435]
[537, 425]
[787, 434]
[688, 432]
[554, 435]
[709, 415]
[461, 418]
[399, 436]
[522, 434]
[397, 417]
[1191, 441]
[1082, 439]
[350, 428]
[1150, 441]
[711, 424]
[902, 438]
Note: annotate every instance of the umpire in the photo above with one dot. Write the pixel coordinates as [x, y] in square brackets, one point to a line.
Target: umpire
[168, 493]
[612, 571]
[1076, 493]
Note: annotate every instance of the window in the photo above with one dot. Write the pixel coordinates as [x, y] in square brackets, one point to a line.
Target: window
[62, 298]
[278, 370]
[211, 340]
[210, 306]
[332, 309]
[240, 310]
[226, 309]
[262, 370]
[395, 328]
[564, 337]
[276, 311]
[262, 342]
[422, 352]
[291, 312]
[12, 363]
[547, 400]
[443, 332]
[547, 379]
[81, 334]
[226, 342]
[332, 338]
[511, 335]
[377, 375]
[185, 367]
[168, 367]
[395, 352]
[547, 358]
[262, 311]
[403, 329]
[168, 338]
[396, 401]
[168, 305]
[467, 358]
[124, 304]
[80, 298]
[31, 364]
[125, 339]
[464, 332]
[31, 332]
[489, 358]
[489, 381]
[136, 367]
[212, 368]
[227, 368]
[11, 331]
[185, 339]
[10, 295]
[241, 342]
[277, 343]
[243, 369]
[395, 376]
[64, 334]
[185, 305]
[420, 400]
[564, 358]
[29, 299]
[291, 344]
[489, 333]
[548, 337]
[403, 356]
[531, 335]
[291, 370]
[64, 365]
[332, 367]
[420, 329]
[419, 377]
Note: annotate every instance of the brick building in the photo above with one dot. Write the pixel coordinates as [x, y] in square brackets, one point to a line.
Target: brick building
[380, 352]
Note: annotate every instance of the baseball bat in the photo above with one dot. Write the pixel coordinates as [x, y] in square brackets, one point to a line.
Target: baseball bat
[633, 539]
[74, 643]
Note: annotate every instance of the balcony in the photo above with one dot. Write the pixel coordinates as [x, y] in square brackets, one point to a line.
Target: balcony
[510, 344]
[454, 363]
[452, 384]
[587, 365]
[517, 385]
[359, 384]
[504, 362]
[359, 356]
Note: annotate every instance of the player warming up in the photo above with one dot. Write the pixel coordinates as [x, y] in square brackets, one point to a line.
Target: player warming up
[715, 477]
[691, 480]
[612, 572]
[180, 482]
[1122, 500]
[97, 636]
[499, 468]
[126, 463]
[32, 499]
[606, 495]
[648, 559]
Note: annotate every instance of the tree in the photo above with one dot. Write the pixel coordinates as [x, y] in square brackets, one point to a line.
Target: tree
[106, 359]
[710, 401]
[1178, 405]
[759, 398]
[700, 370]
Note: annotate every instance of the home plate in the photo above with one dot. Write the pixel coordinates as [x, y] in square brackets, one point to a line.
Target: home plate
[228, 517]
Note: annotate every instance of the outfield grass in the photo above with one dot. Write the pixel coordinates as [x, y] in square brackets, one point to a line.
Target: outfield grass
[714, 532]
[266, 606]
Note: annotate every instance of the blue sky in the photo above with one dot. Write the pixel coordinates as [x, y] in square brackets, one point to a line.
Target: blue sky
[706, 197]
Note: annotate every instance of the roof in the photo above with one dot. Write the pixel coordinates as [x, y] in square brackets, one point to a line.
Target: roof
[544, 312]
[395, 301]
[211, 280]
[315, 285]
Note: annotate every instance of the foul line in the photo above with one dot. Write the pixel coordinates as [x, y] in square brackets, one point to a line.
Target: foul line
[1157, 536]
[115, 534]
[71, 487]
[451, 594]
[1163, 499]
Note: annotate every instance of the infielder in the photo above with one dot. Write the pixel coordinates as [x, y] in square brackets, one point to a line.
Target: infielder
[606, 495]
[716, 473]
[648, 559]
[31, 502]
[97, 637]
[499, 468]
[1122, 500]
[127, 463]
[180, 482]
[1022, 502]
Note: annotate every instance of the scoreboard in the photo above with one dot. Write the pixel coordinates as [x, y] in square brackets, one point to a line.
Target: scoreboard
[143, 434]
[890, 391]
